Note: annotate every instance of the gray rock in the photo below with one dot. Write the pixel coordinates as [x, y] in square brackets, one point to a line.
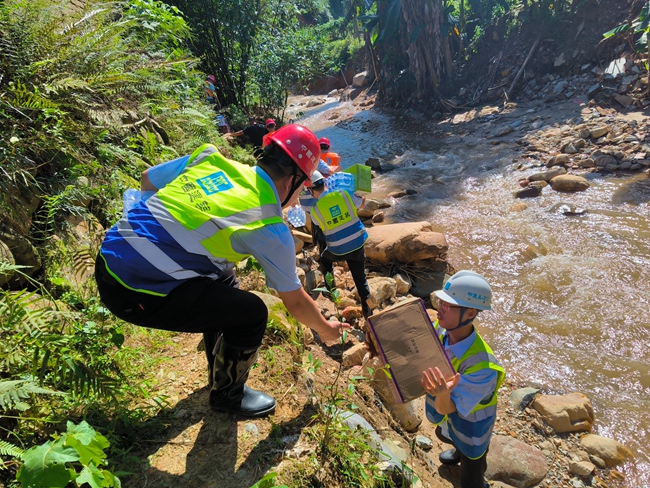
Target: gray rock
[528, 192]
[570, 148]
[593, 90]
[560, 159]
[521, 398]
[374, 163]
[625, 165]
[559, 88]
[423, 443]
[604, 160]
[361, 79]
[504, 131]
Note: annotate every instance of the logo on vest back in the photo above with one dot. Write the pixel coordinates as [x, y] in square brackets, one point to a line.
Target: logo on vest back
[335, 211]
[215, 183]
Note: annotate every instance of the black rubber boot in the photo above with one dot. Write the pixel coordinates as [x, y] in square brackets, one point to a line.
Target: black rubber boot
[229, 392]
[210, 340]
[367, 307]
[449, 457]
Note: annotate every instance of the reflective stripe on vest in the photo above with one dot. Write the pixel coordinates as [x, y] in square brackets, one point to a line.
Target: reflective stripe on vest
[336, 215]
[471, 433]
[198, 212]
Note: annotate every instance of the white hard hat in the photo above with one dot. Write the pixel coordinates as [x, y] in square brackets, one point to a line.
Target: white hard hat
[467, 289]
[317, 178]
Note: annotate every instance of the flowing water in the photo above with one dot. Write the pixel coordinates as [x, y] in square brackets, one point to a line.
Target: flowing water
[571, 293]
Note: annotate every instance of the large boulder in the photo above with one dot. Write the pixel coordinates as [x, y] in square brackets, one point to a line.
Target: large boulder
[405, 243]
[24, 254]
[566, 413]
[569, 183]
[361, 79]
[515, 462]
[6, 258]
[20, 205]
[609, 450]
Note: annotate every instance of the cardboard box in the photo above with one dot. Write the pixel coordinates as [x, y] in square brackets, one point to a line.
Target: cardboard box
[362, 178]
[406, 340]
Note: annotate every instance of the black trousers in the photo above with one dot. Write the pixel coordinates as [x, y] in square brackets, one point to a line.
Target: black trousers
[199, 305]
[356, 262]
[472, 471]
[318, 237]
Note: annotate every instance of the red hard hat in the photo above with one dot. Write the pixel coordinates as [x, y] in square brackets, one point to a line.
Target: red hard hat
[300, 144]
[270, 121]
[212, 78]
[324, 140]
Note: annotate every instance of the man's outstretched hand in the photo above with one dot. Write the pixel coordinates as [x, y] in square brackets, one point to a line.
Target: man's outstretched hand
[333, 331]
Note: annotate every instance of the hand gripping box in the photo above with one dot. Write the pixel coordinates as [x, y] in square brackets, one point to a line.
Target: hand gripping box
[406, 340]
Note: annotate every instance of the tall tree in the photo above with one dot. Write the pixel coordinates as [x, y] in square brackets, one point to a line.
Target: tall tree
[225, 36]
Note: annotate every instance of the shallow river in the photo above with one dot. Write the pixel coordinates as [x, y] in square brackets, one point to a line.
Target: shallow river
[572, 294]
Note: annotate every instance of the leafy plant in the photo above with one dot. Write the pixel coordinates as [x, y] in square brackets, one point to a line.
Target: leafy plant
[13, 393]
[268, 481]
[76, 456]
[331, 290]
[252, 264]
[640, 25]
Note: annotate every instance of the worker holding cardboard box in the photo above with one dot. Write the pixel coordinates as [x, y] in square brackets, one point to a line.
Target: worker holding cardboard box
[335, 213]
[464, 406]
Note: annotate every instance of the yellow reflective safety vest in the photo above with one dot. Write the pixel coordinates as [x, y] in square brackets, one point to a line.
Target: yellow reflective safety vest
[336, 215]
[471, 434]
[184, 230]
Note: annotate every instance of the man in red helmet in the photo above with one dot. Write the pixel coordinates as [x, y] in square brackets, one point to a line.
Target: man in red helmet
[270, 127]
[168, 263]
[330, 158]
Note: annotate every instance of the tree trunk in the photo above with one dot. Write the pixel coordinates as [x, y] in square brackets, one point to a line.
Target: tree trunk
[427, 52]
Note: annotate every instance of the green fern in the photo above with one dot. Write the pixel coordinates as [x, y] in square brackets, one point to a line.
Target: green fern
[27, 99]
[13, 393]
[8, 449]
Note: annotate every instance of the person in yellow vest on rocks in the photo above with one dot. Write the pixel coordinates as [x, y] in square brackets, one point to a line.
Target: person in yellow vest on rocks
[464, 407]
[168, 263]
[335, 213]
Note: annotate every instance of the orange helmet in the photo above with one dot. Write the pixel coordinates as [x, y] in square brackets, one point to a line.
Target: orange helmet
[301, 146]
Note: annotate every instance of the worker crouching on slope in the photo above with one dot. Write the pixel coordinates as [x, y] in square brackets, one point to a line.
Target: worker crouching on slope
[168, 264]
[335, 213]
[464, 407]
